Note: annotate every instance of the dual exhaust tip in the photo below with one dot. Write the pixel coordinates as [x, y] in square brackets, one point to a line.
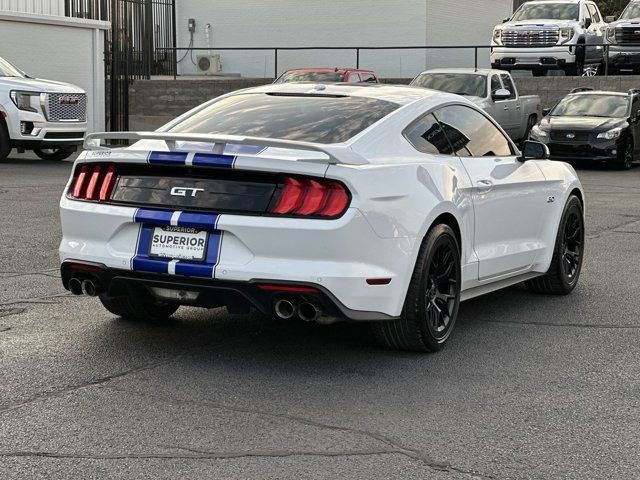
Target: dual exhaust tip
[287, 309]
[83, 287]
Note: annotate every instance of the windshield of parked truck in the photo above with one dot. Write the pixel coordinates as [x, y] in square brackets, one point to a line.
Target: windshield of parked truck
[549, 11]
[592, 106]
[289, 77]
[632, 11]
[459, 83]
[8, 70]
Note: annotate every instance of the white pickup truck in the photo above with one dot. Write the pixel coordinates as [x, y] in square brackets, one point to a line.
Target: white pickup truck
[492, 90]
[40, 115]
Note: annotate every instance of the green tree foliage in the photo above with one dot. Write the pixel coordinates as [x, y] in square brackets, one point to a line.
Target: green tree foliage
[611, 7]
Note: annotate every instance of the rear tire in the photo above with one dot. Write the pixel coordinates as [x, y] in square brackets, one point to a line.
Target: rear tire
[53, 154]
[139, 308]
[431, 306]
[5, 141]
[566, 264]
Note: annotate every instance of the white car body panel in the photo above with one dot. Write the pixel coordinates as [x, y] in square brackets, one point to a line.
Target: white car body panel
[396, 195]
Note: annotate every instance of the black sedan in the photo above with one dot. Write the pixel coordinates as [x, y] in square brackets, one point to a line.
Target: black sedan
[589, 125]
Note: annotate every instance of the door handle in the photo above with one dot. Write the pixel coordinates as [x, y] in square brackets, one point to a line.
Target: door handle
[506, 108]
[484, 186]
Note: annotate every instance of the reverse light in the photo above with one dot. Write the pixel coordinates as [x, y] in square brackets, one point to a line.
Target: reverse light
[611, 134]
[94, 182]
[311, 197]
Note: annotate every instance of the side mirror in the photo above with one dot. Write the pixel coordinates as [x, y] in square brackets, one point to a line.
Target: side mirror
[534, 151]
[587, 22]
[506, 20]
[610, 19]
[501, 94]
[546, 111]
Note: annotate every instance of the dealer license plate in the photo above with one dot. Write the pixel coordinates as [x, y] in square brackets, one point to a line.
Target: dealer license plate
[179, 243]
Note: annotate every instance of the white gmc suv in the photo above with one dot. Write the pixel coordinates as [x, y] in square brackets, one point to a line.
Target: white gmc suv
[546, 35]
[40, 115]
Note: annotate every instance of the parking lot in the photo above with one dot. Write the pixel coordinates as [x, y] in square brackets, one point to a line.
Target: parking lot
[529, 386]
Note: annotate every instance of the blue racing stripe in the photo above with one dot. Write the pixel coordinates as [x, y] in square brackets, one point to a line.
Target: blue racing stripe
[156, 217]
[168, 158]
[213, 160]
[201, 221]
[141, 262]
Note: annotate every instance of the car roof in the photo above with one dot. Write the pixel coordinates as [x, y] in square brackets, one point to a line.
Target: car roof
[466, 71]
[328, 70]
[399, 94]
[601, 92]
[553, 1]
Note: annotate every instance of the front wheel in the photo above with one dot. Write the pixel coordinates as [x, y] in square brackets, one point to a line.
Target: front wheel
[626, 156]
[576, 69]
[566, 263]
[5, 142]
[431, 307]
[53, 153]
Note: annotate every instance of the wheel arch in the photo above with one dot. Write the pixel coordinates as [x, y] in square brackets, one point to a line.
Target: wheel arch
[450, 220]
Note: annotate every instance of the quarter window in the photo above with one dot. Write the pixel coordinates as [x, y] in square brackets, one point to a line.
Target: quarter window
[471, 133]
[427, 136]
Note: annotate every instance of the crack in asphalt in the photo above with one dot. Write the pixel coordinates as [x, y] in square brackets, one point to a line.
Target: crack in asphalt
[45, 299]
[614, 229]
[28, 274]
[8, 312]
[396, 446]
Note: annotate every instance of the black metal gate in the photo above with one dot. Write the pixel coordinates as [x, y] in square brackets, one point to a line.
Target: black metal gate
[139, 44]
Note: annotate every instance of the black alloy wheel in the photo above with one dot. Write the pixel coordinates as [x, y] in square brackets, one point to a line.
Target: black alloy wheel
[441, 291]
[572, 240]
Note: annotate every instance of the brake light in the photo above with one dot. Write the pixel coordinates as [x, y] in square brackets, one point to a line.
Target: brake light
[94, 183]
[311, 197]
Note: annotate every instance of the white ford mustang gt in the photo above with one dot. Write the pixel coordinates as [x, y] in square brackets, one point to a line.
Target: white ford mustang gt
[372, 203]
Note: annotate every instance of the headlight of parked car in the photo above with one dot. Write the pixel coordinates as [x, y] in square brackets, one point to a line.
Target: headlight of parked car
[23, 100]
[497, 36]
[536, 131]
[566, 34]
[611, 134]
[611, 34]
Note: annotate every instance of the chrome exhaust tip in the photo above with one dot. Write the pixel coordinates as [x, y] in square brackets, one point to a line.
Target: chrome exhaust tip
[89, 288]
[309, 312]
[75, 286]
[285, 309]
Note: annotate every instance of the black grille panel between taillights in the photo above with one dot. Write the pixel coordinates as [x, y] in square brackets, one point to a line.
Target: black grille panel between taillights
[241, 192]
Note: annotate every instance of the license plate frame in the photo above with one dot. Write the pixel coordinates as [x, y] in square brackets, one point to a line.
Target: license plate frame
[177, 252]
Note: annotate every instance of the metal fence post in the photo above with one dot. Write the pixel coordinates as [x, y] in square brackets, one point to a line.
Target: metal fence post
[275, 63]
[357, 57]
[476, 57]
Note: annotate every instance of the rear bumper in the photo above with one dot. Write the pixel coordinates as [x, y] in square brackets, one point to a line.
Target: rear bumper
[238, 297]
[338, 256]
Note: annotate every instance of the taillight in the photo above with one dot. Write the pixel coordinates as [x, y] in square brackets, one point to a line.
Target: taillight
[94, 182]
[311, 197]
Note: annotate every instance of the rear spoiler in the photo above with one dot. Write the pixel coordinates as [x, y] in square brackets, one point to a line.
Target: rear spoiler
[338, 154]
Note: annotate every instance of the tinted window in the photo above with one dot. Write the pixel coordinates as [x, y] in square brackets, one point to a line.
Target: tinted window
[592, 106]
[8, 70]
[460, 83]
[329, 77]
[427, 136]
[550, 11]
[508, 84]
[311, 118]
[471, 133]
[632, 11]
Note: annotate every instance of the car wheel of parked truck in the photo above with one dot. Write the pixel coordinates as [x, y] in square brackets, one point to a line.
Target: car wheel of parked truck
[5, 142]
[432, 302]
[53, 153]
[566, 263]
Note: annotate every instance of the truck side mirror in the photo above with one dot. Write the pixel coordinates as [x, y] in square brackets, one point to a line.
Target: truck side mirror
[610, 19]
[546, 111]
[501, 94]
[534, 151]
[506, 20]
[587, 22]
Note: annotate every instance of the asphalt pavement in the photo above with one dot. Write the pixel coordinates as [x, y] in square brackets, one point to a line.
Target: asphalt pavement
[529, 387]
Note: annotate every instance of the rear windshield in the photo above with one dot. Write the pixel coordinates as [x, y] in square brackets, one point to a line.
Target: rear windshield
[309, 118]
[548, 11]
[8, 70]
[592, 106]
[328, 77]
[462, 84]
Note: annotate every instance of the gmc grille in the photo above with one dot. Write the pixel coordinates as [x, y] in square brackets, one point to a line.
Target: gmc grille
[530, 38]
[628, 35]
[67, 107]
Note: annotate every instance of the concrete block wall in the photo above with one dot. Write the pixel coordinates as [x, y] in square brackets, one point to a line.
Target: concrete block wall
[155, 102]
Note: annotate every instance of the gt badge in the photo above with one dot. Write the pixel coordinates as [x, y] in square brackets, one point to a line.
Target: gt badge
[183, 191]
